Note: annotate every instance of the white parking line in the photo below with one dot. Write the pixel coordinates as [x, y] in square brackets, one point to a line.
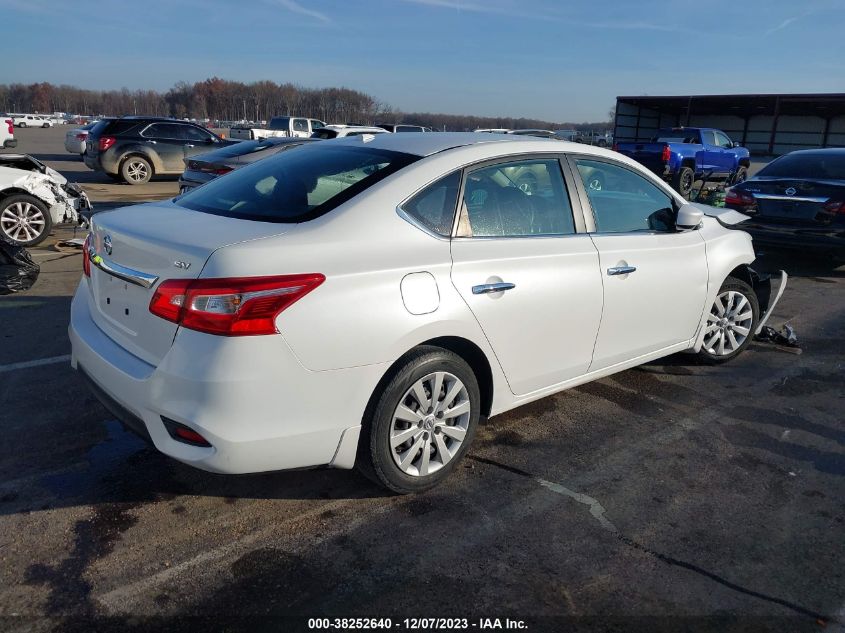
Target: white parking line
[35, 363]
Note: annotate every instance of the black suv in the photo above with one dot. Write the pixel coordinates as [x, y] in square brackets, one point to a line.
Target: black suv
[134, 149]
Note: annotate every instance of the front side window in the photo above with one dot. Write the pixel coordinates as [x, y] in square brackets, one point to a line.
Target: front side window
[300, 125]
[296, 186]
[434, 206]
[195, 134]
[516, 199]
[624, 201]
[708, 137]
[723, 141]
[316, 125]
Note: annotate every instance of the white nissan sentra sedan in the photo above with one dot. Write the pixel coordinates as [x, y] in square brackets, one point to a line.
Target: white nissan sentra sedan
[364, 301]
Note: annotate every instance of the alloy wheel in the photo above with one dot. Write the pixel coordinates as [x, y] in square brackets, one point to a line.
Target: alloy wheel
[429, 424]
[22, 221]
[137, 171]
[728, 324]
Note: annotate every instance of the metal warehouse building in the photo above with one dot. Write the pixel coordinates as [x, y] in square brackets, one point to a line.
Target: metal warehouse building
[765, 124]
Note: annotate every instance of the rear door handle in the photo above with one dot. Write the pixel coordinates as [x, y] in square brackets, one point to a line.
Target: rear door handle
[487, 288]
[621, 270]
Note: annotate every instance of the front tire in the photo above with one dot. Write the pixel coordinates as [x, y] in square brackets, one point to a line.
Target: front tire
[46, 125]
[422, 422]
[24, 220]
[683, 181]
[136, 170]
[731, 322]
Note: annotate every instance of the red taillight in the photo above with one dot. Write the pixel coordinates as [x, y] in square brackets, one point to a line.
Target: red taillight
[81, 136]
[737, 198]
[11, 125]
[666, 156]
[835, 206]
[221, 170]
[106, 142]
[244, 306]
[191, 436]
[86, 261]
[615, 147]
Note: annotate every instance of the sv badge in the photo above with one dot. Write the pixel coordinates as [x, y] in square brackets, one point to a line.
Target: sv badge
[182, 265]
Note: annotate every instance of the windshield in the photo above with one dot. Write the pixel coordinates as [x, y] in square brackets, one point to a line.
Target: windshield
[296, 186]
[822, 166]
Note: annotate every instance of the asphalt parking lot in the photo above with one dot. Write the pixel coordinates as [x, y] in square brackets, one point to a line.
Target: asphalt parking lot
[673, 496]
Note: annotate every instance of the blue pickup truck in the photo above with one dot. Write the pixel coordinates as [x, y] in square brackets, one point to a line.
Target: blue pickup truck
[683, 155]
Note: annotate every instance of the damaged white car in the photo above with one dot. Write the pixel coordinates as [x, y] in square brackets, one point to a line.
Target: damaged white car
[34, 198]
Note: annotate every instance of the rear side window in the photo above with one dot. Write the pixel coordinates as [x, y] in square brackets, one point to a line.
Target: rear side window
[116, 126]
[324, 134]
[165, 131]
[434, 206]
[296, 186]
[516, 199]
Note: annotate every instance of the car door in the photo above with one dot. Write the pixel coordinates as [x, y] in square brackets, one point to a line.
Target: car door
[725, 157]
[655, 277]
[525, 267]
[197, 141]
[710, 153]
[299, 127]
[167, 141]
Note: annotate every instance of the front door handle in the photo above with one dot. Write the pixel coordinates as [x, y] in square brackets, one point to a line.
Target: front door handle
[487, 288]
[188, 145]
[151, 142]
[621, 270]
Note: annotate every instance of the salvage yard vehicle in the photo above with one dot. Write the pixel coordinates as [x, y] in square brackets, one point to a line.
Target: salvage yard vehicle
[797, 201]
[7, 133]
[32, 120]
[34, 198]
[279, 126]
[205, 167]
[365, 300]
[682, 155]
[134, 149]
[342, 131]
[398, 128]
[75, 138]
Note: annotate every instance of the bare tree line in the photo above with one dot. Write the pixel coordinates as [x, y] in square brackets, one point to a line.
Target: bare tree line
[222, 99]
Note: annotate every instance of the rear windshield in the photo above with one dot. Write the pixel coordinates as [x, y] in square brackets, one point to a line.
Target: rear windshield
[820, 166]
[677, 136]
[113, 126]
[296, 186]
[279, 123]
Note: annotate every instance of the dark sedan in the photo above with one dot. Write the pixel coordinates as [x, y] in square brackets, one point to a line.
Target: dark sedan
[204, 167]
[796, 201]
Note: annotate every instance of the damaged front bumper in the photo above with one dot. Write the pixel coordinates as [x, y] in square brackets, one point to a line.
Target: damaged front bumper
[762, 284]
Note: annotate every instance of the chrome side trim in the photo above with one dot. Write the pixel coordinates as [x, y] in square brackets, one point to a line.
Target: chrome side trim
[145, 280]
[771, 196]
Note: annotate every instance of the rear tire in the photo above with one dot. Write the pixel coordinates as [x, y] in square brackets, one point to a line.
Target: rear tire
[46, 125]
[24, 220]
[683, 181]
[730, 323]
[741, 175]
[22, 124]
[409, 442]
[136, 170]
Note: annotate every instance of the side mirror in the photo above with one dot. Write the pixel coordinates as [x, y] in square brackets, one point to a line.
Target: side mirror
[689, 218]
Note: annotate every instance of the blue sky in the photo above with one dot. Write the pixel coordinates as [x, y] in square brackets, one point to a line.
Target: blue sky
[560, 60]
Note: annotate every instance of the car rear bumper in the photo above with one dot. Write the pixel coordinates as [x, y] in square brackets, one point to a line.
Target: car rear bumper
[814, 239]
[190, 179]
[249, 397]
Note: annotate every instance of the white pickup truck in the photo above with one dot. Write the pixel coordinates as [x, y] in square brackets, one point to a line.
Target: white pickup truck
[279, 126]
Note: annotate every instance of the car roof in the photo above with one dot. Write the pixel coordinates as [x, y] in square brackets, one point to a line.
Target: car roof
[820, 151]
[428, 144]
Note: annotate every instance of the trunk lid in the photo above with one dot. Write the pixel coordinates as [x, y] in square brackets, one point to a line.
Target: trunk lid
[795, 201]
[140, 247]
